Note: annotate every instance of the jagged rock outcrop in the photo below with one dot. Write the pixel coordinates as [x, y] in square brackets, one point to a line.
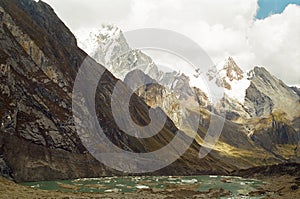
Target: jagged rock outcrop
[156, 95]
[257, 102]
[276, 135]
[202, 98]
[234, 110]
[267, 93]
[228, 72]
[296, 90]
[232, 70]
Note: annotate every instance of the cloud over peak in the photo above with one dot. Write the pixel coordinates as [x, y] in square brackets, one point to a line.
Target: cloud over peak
[222, 27]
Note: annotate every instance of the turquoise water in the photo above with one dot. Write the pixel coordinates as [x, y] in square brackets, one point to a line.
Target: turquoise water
[237, 185]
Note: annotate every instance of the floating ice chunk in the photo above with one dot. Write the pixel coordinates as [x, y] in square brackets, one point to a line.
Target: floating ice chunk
[142, 186]
[112, 190]
[86, 179]
[191, 181]
[35, 186]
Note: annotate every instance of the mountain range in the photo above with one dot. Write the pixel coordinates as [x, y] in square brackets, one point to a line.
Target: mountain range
[39, 61]
[262, 109]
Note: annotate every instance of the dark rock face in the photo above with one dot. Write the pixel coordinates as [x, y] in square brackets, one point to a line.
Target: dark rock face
[37, 135]
[279, 133]
[296, 90]
[39, 60]
[276, 135]
[262, 104]
[5, 171]
[32, 162]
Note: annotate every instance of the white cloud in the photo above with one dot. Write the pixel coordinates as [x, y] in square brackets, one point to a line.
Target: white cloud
[90, 13]
[276, 44]
[222, 27]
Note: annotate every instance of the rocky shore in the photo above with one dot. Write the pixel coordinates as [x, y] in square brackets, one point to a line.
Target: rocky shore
[281, 187]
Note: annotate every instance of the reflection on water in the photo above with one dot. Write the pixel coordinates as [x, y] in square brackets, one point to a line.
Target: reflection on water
[236, 185]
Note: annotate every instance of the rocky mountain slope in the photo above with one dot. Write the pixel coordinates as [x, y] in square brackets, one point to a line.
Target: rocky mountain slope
[39, 61]
[266, 93]
[262, 112]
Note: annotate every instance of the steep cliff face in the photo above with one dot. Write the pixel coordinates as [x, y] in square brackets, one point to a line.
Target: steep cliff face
[156, 95]
[235, 110]
[267, 93]
[38, 139]
[276, 135]
[39, 60]
[259, 103]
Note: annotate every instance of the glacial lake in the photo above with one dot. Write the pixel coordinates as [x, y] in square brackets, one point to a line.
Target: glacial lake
[239, 187]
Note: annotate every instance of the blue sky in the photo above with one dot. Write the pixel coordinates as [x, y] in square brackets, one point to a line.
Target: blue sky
[269, 7]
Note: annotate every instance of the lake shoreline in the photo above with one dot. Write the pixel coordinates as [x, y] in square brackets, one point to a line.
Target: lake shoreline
[277, 186]
[282, 181]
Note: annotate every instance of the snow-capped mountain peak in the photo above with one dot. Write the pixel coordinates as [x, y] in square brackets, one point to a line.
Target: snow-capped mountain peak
[109, 31]
[231, 70]
[104, 44]
[229, 75]
[109, 47]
